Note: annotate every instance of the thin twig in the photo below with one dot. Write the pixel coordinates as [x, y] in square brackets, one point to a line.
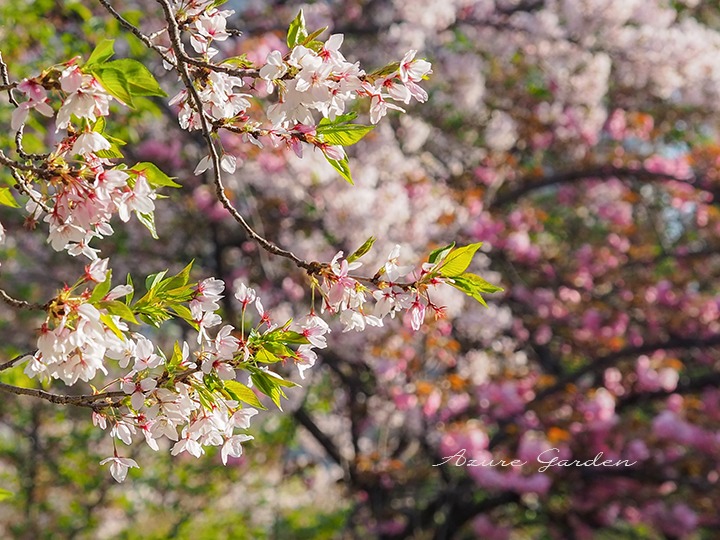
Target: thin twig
[5, 78]
[20, 304]
[23, 186]
[90, 401]
[135, 31]
[21, 151]
[177, 46]
[13, 361]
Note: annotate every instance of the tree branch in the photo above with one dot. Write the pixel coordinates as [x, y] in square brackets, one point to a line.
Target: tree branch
[528, 185]
[174, 32]
[90, 401]
[20, 304]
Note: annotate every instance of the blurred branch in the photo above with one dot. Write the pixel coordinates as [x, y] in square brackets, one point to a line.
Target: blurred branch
[528, 185]
[302, 416]
[684, 387]
[599, 364]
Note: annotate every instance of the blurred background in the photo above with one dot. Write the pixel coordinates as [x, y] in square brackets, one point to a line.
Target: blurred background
[576, 138]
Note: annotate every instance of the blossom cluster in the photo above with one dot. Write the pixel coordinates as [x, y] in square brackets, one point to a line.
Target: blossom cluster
[347, 296]
[190, 398]
[312, 77]
[79, 190]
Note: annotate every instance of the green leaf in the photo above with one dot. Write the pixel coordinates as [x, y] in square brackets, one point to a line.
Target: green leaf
[268, 385]
[439, 254]
[5, 494]
[149, 221]
[185, 314]
[362, 250]
[154, 176]
[280, 350]
[115, 83]
[241, 61]
[313, 35]
[343, 135]
[240, 392]
[342, 119]
[129, 296]
[141, 81]
[458, 260]
[102, 53]
[101, 289]
[108, 321]
[294, 338]
[342, 166]
[384, 71]
[115, 307]
[297, 33]
[473, 285]
[265, 356]
[284, 382]
[153, 279]
[6, 198]
[111, 153]
[178, 280]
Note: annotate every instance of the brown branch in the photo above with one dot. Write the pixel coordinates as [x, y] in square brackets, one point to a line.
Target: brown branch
[304, 419]
[135, 31]
[683, 387]
[599, 364]
[608, 360]
[90, 401]
[20, 304]
[17, 166]
[10, 363]
[531, 184]
[174, 32]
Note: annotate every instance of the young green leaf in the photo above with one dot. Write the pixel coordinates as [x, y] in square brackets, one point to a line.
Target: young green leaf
[241, 61]
[155, 177]
[111, 153]
[343, 135]
[141, 81]
[342, 166]
[474, 286]
[102, 53]
[129, 296]
[115, 307]
[240, 392]
[342, 119]
[362, 250]
[108, 321]
[439, 254]
[149, 221]
[153, 280]
[268, 385]
[313, 35]
[101, 289]
[297, 32]
[265, 356]
[458, 260]
[115, 83]
[6, 198]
